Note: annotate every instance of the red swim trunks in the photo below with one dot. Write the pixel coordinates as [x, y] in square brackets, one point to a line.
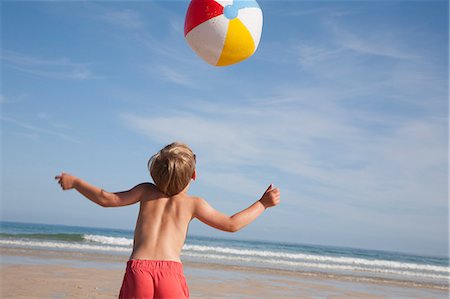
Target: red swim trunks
[154, 280]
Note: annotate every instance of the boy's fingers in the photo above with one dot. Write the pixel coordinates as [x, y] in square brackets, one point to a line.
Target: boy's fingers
[274, 191]
[269, 188]
[59, 176]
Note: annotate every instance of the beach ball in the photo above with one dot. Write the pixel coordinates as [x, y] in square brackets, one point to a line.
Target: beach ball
[223, 32]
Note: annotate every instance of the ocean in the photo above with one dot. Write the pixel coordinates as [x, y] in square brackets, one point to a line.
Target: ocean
[309, 259]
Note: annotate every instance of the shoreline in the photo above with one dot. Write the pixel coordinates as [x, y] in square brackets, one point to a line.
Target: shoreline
[108, 259]
[38, 266]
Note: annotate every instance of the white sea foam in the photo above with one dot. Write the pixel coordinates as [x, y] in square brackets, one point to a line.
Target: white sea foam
[312, 266]
[318, 259]
[109, 240]
[284, 257]
[62, 245]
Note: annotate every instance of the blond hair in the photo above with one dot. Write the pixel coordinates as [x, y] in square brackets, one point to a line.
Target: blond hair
[172, 168]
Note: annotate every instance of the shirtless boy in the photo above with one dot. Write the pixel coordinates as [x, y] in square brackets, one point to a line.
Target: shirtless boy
[154, 269]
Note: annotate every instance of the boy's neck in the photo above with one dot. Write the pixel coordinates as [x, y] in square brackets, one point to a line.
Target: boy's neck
[183, 192]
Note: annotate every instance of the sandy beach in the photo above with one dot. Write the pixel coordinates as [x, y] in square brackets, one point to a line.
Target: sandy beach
[27, 273]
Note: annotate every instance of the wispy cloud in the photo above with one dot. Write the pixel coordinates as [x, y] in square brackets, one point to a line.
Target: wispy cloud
[387, 44]
[320, 11]
[12, 99]
[371, 71]
[166, 58]
[312, 55]
[59, 68]
[127, 18]
[174, 75]
[350, 162]
[34, 131]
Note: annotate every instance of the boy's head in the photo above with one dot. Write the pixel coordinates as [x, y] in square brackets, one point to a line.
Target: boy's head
[172, 168]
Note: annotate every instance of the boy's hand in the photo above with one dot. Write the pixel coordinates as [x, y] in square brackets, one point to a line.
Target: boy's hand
[66, 181]
[271, 197]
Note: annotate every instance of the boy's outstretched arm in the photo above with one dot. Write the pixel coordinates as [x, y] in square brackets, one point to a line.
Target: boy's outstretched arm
[98, 195]
[208, 215]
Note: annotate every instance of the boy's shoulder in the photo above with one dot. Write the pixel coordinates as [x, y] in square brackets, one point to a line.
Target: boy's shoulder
[147, 186]
[195, 199]
[148, 190]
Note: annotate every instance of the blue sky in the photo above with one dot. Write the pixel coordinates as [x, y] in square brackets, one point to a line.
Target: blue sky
[344, 106]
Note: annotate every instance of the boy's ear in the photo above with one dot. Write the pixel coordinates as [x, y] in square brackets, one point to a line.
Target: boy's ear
[194, 175]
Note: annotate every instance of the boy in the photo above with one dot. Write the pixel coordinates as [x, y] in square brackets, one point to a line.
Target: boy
[154, 269]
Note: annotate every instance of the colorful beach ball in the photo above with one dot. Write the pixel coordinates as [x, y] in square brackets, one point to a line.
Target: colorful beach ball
[223, 32]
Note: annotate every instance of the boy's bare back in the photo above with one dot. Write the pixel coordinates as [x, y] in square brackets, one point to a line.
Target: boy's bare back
[162, 224]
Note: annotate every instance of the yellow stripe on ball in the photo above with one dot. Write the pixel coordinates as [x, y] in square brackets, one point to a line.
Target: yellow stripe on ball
[238, 45]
